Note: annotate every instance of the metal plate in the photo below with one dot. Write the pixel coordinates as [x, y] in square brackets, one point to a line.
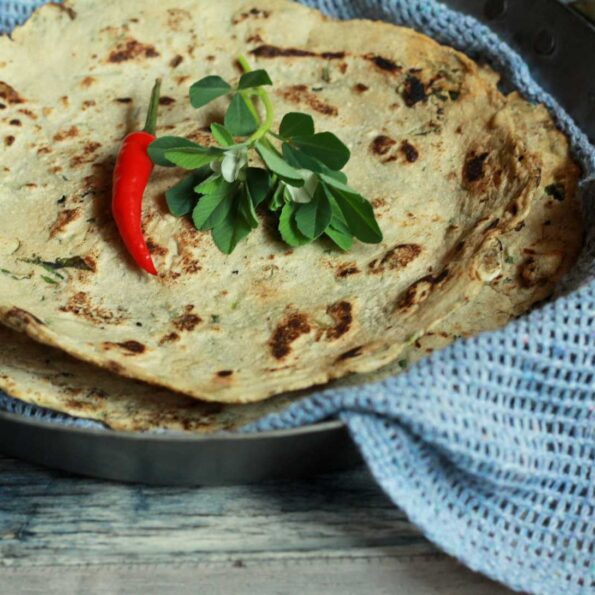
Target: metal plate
[179, 459]
[558, 45]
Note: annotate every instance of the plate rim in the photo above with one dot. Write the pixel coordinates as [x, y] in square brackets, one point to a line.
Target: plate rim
[170, 435]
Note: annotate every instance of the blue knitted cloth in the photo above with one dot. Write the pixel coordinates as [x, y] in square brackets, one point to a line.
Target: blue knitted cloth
[488, 445]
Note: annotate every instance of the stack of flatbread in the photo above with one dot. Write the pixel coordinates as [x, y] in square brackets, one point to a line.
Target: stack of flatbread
[474, 192]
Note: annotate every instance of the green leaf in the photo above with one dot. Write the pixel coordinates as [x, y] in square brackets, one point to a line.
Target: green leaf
[49, 280]
[258, 183]
[341, 239]
[359, 215]
[210, 211]
[312, 218]
[181, 198]
[278, 165]
[207, 89]
[231, 230]
[300, 160]
[239, 120]
[246, 209]
[337, 182]
[228, 234]
[288, 227]
[335, 176]
[222, 135]
[255, 78]
[157, 148]
[325, 147]
[53, 266]
[210, 185]
[338, 230]
[294, 124]
[338, 221]
[192, 157]
[213, 208]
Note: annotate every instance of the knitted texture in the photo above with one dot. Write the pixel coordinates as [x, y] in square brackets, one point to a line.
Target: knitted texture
[488, 445]
[15, 13]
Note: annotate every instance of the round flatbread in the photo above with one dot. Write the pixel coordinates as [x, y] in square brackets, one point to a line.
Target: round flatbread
[446, 160]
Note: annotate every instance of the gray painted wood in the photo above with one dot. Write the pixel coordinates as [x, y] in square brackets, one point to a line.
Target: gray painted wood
[332, 534]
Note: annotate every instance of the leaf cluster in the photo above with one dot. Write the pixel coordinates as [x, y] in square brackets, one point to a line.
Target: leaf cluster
[299, 175]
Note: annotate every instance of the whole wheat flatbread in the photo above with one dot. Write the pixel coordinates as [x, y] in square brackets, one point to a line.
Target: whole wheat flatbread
[450, 169]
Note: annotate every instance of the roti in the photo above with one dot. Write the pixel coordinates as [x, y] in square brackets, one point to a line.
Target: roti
[474, 193]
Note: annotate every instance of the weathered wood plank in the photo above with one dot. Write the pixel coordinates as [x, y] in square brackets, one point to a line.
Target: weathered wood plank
[309, 537]
[100, 522]
[342, 576]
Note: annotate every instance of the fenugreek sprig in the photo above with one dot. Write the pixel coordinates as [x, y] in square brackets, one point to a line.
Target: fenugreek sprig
[301, 181]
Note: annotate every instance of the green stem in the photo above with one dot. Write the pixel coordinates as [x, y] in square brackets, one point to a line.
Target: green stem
[277, 136]
[265, 125]
[151, 121]
[268, 121]
[267, 143]
[250, 105]
[245, 66]
[243, 62]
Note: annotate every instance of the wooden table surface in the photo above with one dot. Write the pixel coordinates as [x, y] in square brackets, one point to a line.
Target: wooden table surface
[332, 534]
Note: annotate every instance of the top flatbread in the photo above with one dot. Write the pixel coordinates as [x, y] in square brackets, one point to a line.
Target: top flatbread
[444, 157]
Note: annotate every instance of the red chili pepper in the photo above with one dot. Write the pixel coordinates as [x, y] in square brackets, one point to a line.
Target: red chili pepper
[131, 174]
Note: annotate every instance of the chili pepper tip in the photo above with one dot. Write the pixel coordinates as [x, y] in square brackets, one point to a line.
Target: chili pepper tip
[150, 268]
